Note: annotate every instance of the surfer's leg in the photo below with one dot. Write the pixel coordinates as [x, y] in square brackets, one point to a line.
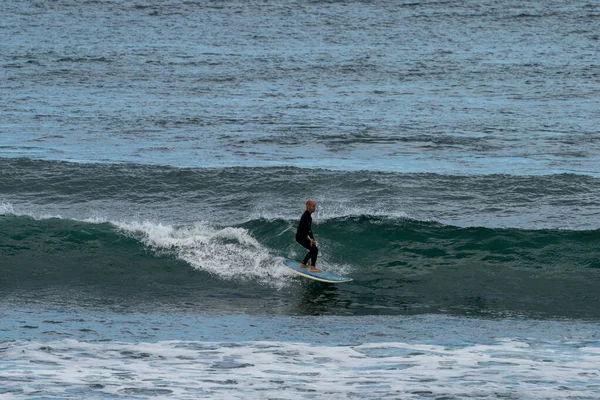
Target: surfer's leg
[314, 252]
[306, 244]
[305, 261]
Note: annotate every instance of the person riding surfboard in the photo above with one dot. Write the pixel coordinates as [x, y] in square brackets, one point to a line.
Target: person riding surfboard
[305, 237]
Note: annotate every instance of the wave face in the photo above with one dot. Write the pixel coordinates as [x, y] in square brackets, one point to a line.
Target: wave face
[400, 266]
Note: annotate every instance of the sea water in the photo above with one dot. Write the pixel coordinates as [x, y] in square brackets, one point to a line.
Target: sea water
[155, 158]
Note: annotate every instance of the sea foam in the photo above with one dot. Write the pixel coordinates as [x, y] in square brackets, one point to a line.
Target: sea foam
[296, 370]
[229, 252]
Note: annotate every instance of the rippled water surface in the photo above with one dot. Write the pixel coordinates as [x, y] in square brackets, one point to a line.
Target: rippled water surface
[155, 157]
[476, 86]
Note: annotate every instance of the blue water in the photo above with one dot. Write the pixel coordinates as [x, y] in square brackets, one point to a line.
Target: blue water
[471, 87]
[155, 157]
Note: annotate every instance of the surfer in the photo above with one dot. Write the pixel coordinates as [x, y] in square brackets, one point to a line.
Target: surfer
[305, 237]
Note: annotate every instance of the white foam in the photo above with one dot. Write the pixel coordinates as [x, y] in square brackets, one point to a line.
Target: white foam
[230, 253]
[6, 208]
[257, 370]
[96, 219]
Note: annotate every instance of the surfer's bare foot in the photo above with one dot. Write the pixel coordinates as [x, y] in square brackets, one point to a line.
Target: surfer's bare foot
[303, 266]
[315, 269]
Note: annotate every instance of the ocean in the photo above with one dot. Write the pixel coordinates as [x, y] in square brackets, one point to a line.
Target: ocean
[156, 156]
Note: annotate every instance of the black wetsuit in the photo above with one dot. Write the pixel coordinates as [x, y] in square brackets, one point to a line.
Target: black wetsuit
[303, 234]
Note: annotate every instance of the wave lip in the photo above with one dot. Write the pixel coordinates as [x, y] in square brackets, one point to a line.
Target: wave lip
[184, 195]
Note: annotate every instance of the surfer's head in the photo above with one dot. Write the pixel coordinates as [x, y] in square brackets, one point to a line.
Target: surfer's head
[311, 206]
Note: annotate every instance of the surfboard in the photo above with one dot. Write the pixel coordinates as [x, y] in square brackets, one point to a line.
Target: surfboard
[322, 276]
